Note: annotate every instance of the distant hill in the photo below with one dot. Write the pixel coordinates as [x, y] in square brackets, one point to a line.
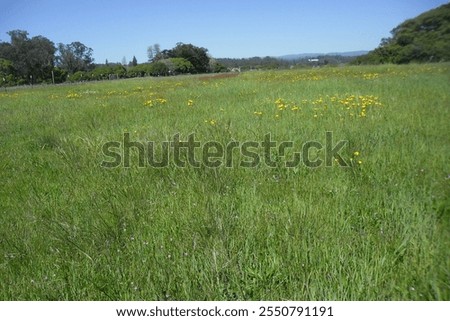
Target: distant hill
[314, 55]
[288, 61]
[425, 38]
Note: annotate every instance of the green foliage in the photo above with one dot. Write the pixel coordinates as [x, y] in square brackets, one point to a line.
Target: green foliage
[134, 62]
[79, 76]
[216, 67]
[74, 57]
[140, 70]
[178, 66]
[6, 73]
[31, 59]
[60, 75]
[104, 72]
[158, 68]
[425, 38]
[197, 56]
[40, 58]
[119, 70]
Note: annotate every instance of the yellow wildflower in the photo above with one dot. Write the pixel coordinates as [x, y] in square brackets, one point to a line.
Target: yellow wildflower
[161, 100]
[73, 95]
[149, 103]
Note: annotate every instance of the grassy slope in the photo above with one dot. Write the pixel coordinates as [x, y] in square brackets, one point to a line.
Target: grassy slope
[72, 230]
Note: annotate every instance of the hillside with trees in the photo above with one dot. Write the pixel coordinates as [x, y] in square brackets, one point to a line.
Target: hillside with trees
[425, 38]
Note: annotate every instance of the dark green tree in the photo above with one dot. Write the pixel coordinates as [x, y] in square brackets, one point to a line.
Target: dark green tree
[7, 73]
[158, 69]
[74, 57]
[197, 56]
[17, 52]
[41, 58]
[31, 59]
[134, 62]
[60, 75]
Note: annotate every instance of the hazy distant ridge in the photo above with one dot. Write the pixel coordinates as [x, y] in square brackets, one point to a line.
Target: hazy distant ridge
[306, 55]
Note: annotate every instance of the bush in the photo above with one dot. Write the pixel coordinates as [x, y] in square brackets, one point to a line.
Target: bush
[7, 77]
[159, 69]
[78, 76]
[141, 70]
[60, 75]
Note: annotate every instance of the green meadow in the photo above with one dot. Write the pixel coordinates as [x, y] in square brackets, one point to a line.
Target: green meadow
[373, 224]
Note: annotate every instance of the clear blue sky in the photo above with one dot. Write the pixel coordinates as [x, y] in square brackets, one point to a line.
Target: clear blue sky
[228, 28]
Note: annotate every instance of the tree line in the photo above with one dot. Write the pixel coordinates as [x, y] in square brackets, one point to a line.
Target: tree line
[25, 60]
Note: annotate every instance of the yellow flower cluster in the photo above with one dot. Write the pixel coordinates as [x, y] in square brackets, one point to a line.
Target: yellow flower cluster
[121, 93]
[352, 105]
[360, 103]
[149, 103]
[282, 105]
[14, 95]
[72, 95]
[291, 76]
[190, 102]
[370, 76]
[319, 74]
[212, 122]
[153, 102]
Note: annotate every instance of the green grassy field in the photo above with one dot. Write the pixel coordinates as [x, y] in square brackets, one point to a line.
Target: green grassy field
[378, 229]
